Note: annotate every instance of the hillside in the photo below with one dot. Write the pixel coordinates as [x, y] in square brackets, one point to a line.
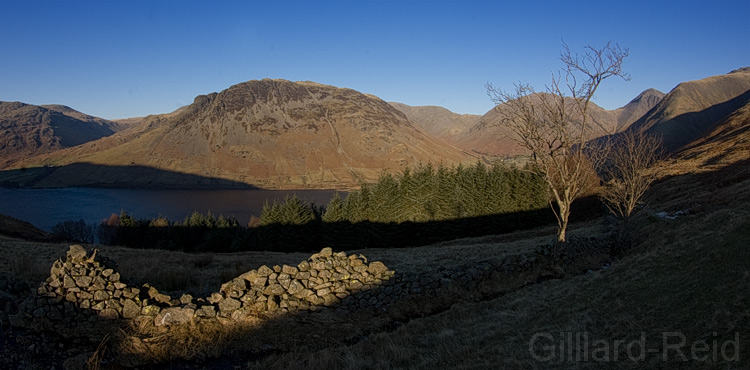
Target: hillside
[268, 133]
[693, 109]
[488, 137]
[438, 121]
[31, 130]
[637, 107]
[685, 275]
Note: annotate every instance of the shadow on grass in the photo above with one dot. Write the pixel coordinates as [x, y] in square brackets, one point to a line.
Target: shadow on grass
[313, 236]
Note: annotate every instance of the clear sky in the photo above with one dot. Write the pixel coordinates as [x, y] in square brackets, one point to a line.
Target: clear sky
[118, 59]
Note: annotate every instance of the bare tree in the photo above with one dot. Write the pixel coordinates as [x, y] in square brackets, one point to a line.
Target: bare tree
[628, 170]
[555, 126]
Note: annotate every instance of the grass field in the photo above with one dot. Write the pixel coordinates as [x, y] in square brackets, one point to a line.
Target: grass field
[680, 298]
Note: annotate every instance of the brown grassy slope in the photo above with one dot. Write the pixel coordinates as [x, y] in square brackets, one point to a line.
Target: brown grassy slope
[488, 136]
[31, 130]
[693, 109]
[637, 107]
[695, 285]
[689, 275]
[272, 134]
[438, 121]
[12, 227]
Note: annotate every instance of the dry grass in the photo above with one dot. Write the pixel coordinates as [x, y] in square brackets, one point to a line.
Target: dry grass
[697, 285]
[687, 275]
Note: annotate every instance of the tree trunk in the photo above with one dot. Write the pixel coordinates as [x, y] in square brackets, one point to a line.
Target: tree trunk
[561, 235]
[563, 221]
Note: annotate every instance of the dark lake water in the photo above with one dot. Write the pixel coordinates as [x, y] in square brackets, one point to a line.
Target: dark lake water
[46, 207]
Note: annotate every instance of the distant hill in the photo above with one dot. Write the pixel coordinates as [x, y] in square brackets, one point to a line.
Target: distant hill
[694, 109]
[32, 130]
[637, 107]
[438, 121]
[685, 115]
[16, 228]
[268, 133]
[489, 137]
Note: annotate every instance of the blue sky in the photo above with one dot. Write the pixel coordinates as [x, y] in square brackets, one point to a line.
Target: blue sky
[123, 59]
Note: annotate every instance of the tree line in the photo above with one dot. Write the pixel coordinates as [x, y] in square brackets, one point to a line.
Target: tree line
[423, 194]
[417, 206]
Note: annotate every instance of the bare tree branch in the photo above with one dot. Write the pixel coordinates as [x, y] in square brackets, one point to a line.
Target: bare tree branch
[628, 171]
[556, 127]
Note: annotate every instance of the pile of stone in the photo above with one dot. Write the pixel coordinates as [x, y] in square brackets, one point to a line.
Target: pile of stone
[83, 286]
[324, 280]
[86, 287]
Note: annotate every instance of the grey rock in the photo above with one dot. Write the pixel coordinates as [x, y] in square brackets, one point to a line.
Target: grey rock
[274, 289]
[264, 270]
[295, 287]
[174, 316]
[303, 266]
[83, 281]
[206, 311]
[130, 309]
[377, 267]
[228, 305]
[163, 298]
[150, 310]
[215, 298]
[76, 252]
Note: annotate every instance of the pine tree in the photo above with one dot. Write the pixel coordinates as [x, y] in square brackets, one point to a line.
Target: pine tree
[334, 211]
[385, 200]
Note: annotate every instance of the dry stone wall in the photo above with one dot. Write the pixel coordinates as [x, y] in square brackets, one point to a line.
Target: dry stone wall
[87, 288]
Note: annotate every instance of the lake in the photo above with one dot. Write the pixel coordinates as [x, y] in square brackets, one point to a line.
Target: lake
[46, 207]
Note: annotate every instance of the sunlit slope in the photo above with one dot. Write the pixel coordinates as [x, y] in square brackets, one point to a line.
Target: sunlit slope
[274, 134]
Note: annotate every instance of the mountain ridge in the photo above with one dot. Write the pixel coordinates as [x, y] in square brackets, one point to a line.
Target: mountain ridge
[694, 108]
[37, 129]
[276, 133]
[273, 134]
[488, 137]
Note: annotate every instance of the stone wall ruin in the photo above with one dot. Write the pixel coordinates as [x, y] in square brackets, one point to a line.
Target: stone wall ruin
[86, 288]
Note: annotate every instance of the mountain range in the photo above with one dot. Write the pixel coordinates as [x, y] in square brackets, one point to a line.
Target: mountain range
[694, 108]
[267, 133]
[280, 134]
[29, 130]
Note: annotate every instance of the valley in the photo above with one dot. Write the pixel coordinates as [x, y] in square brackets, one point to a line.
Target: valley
[677, 270]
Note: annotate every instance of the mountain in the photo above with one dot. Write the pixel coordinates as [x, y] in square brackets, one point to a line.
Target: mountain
[268, 133]
[693, 109]
[489, 137]
[438, 121]
[31, 129]
[727, 142]
[686, 114]
[637, 107]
